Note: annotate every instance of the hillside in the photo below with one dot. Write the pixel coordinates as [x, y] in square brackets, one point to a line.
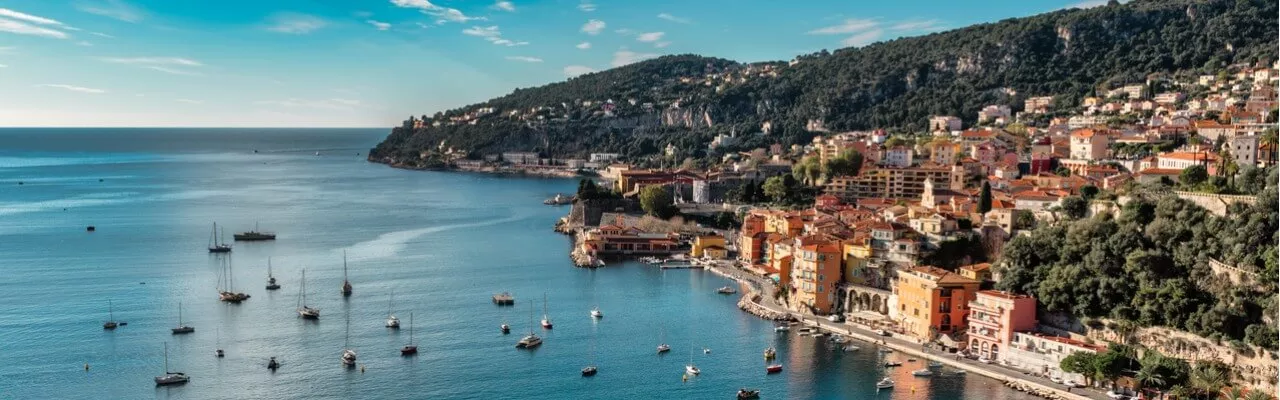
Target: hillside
[686, 100]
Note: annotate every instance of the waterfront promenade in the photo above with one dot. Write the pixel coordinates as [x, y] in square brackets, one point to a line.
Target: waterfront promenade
[1022, 380]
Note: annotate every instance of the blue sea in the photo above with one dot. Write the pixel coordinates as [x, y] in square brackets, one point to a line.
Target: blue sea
[443, 242]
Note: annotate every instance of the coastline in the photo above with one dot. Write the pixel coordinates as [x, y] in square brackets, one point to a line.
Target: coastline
[750, 303]
[495, 170]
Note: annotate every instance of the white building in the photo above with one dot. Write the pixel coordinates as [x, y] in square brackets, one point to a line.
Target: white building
[520, 157]
[603, 157]
[899, 156]
[944, 123]
[1043, 354]
[1086, 144]
[993, 112]
[1182, 160]
[1244, 148]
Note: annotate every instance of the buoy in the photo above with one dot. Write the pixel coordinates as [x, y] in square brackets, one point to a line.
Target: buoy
[362, 369]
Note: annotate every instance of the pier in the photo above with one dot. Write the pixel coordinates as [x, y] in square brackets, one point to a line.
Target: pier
[504, 299]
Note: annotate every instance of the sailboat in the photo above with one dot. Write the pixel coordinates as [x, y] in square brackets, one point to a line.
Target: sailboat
[531, 340]
[305, 311]
[409, 349]
[227, 293]
[595, 312]
[182, 328]
[215, 244]
[546, 319]
[590, 369]
[392, 321]
[271, 279]
[111, 318]
[663, 347]
[346, 284]
[170, 378]
[348, 354]
[690, 368]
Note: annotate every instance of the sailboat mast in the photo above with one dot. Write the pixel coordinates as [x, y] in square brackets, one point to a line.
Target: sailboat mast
[179, 313]
[111, 312]
[411, 328]
[166, 357]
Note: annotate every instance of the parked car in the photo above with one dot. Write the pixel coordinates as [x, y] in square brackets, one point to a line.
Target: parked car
[835, 318]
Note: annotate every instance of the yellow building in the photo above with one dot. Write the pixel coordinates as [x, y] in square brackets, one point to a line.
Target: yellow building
[702, 243]
[933, 301]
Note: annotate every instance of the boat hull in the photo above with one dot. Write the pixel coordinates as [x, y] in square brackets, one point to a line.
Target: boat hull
[253, 236]
[183, 329]
[172, 379]
[408, 350]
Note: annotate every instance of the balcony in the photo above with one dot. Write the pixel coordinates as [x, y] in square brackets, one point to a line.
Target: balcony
[984, 333]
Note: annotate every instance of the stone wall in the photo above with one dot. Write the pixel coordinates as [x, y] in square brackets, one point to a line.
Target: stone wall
[1215, 203]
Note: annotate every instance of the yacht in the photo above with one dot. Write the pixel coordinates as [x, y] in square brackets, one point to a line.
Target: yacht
[744, 394]
[589, 370]
[922, 372]
[663, 348]
[170, 378]
[216, 245]
[892, 364]
[305, 311]
[182, 328]
[885, 383]
[595, 313]
[781, 328]
[271, 279]
[227, 292]
[392, 321]
[273, 364]
[348, 354]
[546, 319]
[254, 235]
[770, 353]
[934, 364]
[111, 318]
[531, 340]
[346, 284]
[692, 369]
[727, 290]
[409, 349]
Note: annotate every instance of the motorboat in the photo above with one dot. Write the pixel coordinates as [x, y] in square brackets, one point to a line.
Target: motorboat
[727, 290]
[692, 369]
[349, 357]
[589, 370]
[595, 313]
[882, 332]
[546, 318]
[911, 360]
[892, 364]
[839, 339]
[850, 348]
[505, 329]
[663, 348]
[219, 353]
[886, 350]
[706, 350]
[885, 383]
[781, 328]
[773, 368]
[934, 364]
[273, 364]
[770, 353]
[922, 372]
[744, 394]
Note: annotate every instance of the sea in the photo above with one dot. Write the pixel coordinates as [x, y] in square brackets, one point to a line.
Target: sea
[432, 245]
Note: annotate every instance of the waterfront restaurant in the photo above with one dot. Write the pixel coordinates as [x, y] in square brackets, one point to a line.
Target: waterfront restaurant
[614, 240]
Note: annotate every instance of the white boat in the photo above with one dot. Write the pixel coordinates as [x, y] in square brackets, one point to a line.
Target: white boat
[850, 348]
[922, 372]
[839, 339]
[984, 360]
[885, 383]
[727, 290]
[692, 369]
[226, 290]
[546, 319]
[305, 311]
[595, 313]
[348, 354]
[663, 348]
[392, 321]
[706, 350]
[531, 340]
[271, 279]
[934, 364]
[170, 378]
[960, 372]
[781, 328]
[182, 328]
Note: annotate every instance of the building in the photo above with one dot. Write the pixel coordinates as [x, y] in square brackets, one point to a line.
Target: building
[994, 112]
[944, 123]
[1182, 160]
[981, 272]
[942, 152]
[899, 156]
[1043, 354]
[618, 240]
[933, 301]
[1133, 91]
[994, 317]
[1087, 144]
[702, 244]
[816, 272]
[1169, 97]
[896, 183]
[1212, 130]
[603, 157]
[520, 158]
[1038, 104]
[629, 180]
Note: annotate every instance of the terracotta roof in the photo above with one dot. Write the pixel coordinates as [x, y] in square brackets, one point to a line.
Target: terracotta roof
[1190, 156]
[1083, 133]
[1003, 294]
[977, 267]
[1160, 171]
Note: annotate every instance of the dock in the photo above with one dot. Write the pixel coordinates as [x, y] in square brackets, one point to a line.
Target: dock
[680, 266]
[504, 299]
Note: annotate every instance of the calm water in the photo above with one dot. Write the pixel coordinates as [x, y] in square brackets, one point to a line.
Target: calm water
[442, 242]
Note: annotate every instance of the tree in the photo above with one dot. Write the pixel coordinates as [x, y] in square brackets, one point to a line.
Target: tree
[1193, 176]
[775, 189]
[848, 163]
[1079, 362]
[1088, 192]
[1024, 220]
[894, 142]
[984, 199]
[1075, 207]
[655, 200]
[1208, 379]
[1062, 171]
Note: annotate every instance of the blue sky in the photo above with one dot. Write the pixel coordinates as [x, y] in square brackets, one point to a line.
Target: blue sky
[366, 63]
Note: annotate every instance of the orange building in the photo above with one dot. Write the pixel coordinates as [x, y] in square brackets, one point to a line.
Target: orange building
[933, 301]
[815, 273]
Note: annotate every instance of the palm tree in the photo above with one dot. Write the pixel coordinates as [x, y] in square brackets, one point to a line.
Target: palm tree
[1149, 376]
[1258, 395]
[1233, 393]
[1208, 380]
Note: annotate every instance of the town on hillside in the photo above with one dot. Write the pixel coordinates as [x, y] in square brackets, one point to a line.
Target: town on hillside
[904, 234]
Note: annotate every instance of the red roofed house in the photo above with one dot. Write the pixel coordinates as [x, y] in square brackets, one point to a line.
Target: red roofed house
[994, 317]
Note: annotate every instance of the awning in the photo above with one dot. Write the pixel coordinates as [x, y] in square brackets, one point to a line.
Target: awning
[947, 341]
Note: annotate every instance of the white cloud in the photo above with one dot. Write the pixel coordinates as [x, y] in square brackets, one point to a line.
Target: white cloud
[189, 101]
[379, 25]
[7, 13]
[661, 44]
[525, 59]
[673, 18]
[295, 23]
[420, 4]
[505, 42]
[917, 25]
[583, 45]
[586, 6]
[624, 57]
[116, 9]
[483, 31]
[174, 71]
[73, 88]
[851, 25]
[575, 70]
[445, 15]
[503, 6]
[102, 35]
[593, 27]
[625, 32]
[170, 65]
[862, 39]
[22, 28]
[84, 43]
[650, 37]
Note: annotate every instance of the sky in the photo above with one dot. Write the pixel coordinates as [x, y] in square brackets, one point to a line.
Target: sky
[372, 63]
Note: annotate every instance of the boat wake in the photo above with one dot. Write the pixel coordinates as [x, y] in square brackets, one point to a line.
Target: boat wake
[392, 243]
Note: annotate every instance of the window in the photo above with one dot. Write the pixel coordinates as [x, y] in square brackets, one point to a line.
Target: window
[820, 277]
[819, 288]
[916, 311]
